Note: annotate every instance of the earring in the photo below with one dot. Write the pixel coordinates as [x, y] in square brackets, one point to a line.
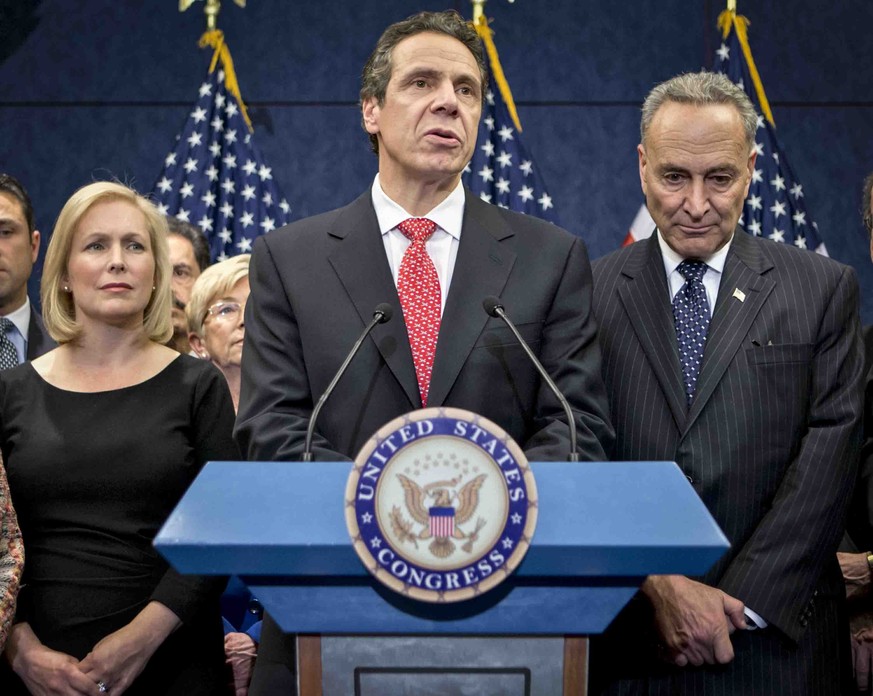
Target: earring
[154, 287]
[66, 288]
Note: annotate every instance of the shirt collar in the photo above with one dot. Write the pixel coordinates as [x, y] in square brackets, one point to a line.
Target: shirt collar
[448, 215]
[672, 259]
[21, 318]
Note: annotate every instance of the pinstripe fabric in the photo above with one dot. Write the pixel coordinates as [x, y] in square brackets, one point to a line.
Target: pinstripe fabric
[769, 444]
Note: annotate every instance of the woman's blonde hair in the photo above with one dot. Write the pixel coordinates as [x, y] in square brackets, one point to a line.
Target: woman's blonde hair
[215, 282]
[58, 311]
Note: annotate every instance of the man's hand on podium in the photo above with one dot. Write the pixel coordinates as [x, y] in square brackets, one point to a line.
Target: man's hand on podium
[694, 621]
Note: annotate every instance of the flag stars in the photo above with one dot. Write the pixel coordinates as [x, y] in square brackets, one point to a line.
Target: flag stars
[286, 208]
[205, 223]
[526, 193]
[265, 173]
[228, 186]
[757, 176]
[759, 149]
[760, 122]
[195, 139]
[754, 203]
[163, 209]
[219, 100]
[485, 197]
[545, 201]
[489, 97]
[247, 220]
[248, 192]
[755, 228]
[777, 235]
[225, 235]
[165, 185]
[212, 173]
[250, 167]
[244, 245]
[199, 114]
[170, 160]
[489, 122]
[778, 183]
[226, 209]
[183, 215]
[209, 199]
[229, 161]
[723, 52]
[526, 167]
[191, 165]
[375, 542]
[215, 149]
[797, 191]
[187, 190]
[504, 159]
[507, 543]
[217, 124]
[268, 224]
[799, 218]
[488, 148]
[230, 137]
[800, 242]
[231, 109]
[778, 208]
[505, 133]
[205, 89]
[486, 173]
[267, 198]
[503, 185]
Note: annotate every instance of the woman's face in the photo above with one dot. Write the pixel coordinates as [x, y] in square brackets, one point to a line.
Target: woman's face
[223, 329]
[111, 266]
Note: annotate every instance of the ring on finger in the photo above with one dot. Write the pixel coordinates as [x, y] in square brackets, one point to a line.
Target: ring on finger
[101, 687]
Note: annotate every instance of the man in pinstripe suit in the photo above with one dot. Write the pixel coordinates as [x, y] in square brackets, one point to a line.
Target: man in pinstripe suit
[766, 426]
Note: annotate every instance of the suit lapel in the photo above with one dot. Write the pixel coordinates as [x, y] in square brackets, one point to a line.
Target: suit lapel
[481, 269]
[742, 292]
[645, 299]
[362, 267]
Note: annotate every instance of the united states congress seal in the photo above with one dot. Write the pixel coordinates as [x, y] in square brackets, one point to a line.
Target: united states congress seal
[441, 505]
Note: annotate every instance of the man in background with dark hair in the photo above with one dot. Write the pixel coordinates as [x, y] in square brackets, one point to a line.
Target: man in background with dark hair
[22, 334]
[189, 256]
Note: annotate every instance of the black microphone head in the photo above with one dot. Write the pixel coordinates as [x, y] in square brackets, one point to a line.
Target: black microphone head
[385, 310]
[491, 304]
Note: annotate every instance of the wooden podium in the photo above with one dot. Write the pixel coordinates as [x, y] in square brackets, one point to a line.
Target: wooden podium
[602, 528]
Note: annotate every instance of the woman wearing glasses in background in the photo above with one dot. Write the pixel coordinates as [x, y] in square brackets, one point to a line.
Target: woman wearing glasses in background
[215, 321]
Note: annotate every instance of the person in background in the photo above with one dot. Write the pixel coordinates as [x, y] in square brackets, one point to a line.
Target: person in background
[215, 317]
[216, 331]
[22, 334]
[856, 551]
[101, 437]
[189, 257]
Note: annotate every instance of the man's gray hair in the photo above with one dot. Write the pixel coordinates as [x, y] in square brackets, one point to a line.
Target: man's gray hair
[700, 89]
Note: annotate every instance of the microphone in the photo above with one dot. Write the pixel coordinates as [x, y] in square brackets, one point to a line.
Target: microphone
[494, 307]
[381, 315]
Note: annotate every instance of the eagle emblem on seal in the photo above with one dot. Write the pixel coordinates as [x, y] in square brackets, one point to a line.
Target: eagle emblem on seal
[438, 509]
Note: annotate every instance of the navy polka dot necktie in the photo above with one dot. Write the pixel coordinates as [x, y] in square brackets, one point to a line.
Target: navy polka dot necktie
[691, 317]
[8, 354]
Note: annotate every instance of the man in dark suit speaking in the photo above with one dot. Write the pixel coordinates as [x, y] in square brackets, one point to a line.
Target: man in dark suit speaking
[422, 243]
[740, 359]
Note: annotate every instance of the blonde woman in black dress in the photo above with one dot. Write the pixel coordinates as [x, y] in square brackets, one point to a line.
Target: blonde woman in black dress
[101, 437]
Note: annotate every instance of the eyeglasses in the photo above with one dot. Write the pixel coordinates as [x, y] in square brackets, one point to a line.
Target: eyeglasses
[226, 311]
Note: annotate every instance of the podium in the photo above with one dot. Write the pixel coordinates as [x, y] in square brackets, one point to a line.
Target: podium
[602, 528]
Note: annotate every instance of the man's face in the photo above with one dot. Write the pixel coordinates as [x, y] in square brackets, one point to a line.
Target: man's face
[18, 252]
[428, 122]
[185, 272]
[695, 170]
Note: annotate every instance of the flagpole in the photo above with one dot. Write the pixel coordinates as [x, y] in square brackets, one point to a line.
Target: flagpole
[478, 10]
[211, 10]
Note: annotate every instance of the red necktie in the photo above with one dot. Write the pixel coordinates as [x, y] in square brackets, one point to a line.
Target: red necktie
[419, 289]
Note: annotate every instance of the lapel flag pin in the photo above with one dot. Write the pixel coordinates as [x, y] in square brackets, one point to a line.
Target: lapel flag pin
[739, 294]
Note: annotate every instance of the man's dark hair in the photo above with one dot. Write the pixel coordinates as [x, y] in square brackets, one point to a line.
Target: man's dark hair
[867, 205]
[193, 235]
[12, 186]
[377, 69]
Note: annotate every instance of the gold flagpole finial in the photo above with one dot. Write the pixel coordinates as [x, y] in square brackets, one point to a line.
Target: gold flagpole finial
[478, 9]
[211, 10]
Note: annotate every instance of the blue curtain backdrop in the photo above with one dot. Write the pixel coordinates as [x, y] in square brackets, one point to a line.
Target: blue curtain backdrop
[100, 89]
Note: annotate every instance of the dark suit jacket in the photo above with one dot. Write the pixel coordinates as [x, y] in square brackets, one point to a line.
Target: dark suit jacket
[38, 340]
[315, 284]
[770, 442]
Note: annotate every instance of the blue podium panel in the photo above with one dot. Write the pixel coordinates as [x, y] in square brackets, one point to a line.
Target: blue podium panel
[602, 527]
[604, 519]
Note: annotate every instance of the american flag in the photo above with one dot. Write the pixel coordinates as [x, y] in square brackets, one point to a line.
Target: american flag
[776, 207]
[217, 179]
[502, 170]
